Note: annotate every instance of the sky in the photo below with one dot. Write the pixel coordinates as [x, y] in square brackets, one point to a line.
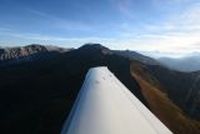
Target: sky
[170, 27]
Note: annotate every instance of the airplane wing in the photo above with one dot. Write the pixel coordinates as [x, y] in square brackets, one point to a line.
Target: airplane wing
[105, 106]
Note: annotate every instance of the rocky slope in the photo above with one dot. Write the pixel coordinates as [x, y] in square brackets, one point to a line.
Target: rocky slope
[30, 53]
[12, 53]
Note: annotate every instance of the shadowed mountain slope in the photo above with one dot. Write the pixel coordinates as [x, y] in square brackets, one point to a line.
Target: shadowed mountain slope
[161, 105]
[181, 87]
[37, 95]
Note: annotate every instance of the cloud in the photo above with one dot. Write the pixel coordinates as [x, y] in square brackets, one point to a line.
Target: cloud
[177, 34]
[179, 43]
[2, 29]
[169, 2]
[191, 16]
[124, 7]
[61, 23]
[33, 36]
[29, 38]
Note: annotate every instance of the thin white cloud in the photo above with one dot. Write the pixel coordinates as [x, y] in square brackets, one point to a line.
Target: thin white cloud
[2, 29]
[178, 34]
[187, 20]
[29, 38]
[60, 22]
[124, 7]
[33, 36]
[169, 2]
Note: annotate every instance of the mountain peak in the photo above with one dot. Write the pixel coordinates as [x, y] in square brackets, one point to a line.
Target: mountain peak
[95, 47]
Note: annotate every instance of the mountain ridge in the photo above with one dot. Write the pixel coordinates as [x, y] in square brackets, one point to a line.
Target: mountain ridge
[189, 63]
[46, 89]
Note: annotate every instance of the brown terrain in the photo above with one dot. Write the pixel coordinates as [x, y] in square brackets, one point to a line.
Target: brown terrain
[160, 104]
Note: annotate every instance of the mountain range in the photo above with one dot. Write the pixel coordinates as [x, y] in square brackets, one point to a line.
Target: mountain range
[40, 83]
[188, 63]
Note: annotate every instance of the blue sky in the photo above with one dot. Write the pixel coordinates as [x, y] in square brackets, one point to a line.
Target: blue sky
[162, 26]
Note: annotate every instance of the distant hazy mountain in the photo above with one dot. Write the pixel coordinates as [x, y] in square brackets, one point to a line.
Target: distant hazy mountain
[37, 94]
[132, 55]
[189, 63]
